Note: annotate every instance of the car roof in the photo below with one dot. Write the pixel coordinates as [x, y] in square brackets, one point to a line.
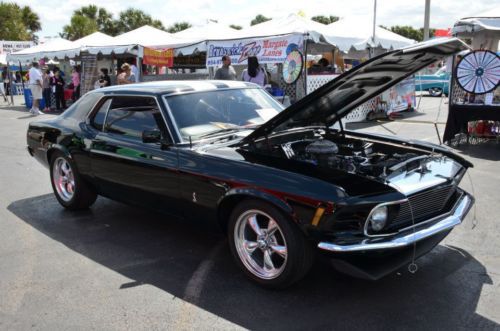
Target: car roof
[173, 86]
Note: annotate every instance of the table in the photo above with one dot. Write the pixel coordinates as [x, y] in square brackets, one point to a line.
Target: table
[460, 115]
[68, 94]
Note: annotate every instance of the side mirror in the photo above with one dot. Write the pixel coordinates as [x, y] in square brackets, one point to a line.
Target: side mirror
[151, 136]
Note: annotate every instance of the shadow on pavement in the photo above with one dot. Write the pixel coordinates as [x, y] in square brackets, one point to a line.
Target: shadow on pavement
[486, 150]
[150, 249]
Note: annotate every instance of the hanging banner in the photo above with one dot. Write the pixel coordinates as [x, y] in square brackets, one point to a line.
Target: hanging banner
[267, 50]
[161, 58]
[7, 47]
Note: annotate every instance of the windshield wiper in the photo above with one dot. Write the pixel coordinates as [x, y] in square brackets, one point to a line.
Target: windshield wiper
[235, 129]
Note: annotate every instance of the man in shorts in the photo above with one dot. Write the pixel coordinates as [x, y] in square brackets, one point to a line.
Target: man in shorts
[36, 88]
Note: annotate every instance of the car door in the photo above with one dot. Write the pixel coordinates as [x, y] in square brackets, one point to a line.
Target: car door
[126, 168]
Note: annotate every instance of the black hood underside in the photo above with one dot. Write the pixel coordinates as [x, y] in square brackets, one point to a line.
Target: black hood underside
[337, 98]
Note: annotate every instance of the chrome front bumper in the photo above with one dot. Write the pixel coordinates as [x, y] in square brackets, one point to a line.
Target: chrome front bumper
[447, 222]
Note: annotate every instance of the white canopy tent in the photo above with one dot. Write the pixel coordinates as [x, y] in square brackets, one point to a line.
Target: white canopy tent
[54, 48]
[356, 32]
[291, 24]
[196, 36]
[149, 36]
[209, 31]
[483, 28]
[95, 39]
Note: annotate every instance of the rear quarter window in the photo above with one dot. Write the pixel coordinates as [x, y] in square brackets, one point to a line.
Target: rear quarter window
[82, 106]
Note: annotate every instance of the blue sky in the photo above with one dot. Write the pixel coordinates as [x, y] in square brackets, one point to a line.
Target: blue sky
[55, 14]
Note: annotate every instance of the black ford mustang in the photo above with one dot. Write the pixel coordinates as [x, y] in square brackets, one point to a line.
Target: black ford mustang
[282, 183]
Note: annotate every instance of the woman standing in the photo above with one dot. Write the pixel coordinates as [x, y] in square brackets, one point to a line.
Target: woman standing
[104, 79]
[46, 89]
[58, 82]
[75, 79]
[126, 76]
[254, 73]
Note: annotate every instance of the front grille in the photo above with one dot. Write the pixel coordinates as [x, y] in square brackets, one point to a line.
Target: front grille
[425, 205]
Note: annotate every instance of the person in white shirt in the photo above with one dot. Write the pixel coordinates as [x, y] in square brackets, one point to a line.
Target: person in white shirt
[36, 88]
[135, 72]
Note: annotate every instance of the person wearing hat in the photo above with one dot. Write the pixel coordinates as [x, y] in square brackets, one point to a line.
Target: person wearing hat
[35, 84]
[126, 76]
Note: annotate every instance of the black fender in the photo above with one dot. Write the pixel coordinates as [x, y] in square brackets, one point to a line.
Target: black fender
[233, 196]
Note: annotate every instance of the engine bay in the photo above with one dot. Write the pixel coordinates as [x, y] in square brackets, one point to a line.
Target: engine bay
[353, 155]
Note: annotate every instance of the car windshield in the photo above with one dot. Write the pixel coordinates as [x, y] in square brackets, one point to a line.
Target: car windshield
[441, 71]
[204, 113]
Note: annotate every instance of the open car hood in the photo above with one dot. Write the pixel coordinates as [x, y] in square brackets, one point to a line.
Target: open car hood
[337, 98]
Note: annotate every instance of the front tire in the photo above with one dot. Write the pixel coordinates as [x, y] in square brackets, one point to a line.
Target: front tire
[267, 246]
[70, 189]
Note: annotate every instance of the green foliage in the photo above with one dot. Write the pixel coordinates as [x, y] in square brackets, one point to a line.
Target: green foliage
[101, 16]
[325, 19]
[178, 26]
[79, 27]
[91, 18]
[132, 19]
[410, 32]
[18, 23]
[259, 19]
[236, 27]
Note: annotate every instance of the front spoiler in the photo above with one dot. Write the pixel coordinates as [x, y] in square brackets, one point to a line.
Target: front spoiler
[447, 222]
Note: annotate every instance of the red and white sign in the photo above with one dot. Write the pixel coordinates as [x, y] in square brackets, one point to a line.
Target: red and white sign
[161, 58]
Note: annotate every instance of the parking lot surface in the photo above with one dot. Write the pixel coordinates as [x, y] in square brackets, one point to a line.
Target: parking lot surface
[115, 267]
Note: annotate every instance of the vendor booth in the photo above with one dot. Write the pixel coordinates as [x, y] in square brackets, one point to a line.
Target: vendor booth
[356, 42]
[474, 106]
[280, 44]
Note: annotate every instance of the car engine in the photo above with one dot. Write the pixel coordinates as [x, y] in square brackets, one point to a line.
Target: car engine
[351, 155]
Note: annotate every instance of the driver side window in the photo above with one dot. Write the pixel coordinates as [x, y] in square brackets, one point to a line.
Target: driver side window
[130, 117]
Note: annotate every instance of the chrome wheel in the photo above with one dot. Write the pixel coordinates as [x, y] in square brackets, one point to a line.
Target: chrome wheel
[435, 91]
[260, 244]
[64, 180]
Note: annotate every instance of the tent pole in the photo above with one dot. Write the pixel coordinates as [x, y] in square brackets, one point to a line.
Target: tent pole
[139, 68]
[305, 64]
[11, 83]
[21, 70]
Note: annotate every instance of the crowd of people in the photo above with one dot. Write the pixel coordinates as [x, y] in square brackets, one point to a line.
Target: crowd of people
[49, 84]
[45, 82]
[254, 73]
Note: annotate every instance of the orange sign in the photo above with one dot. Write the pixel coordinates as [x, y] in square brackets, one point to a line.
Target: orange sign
[161, 58]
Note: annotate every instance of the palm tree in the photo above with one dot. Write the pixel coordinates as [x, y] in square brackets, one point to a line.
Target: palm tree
[178, 26]
[79, 27]
[132, 19]
[31, 20]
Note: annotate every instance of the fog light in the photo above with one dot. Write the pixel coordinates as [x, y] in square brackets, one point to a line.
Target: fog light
[378, 218]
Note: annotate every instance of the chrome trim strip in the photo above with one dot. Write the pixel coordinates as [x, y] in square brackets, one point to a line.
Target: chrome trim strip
[172, 120]
[403, 240]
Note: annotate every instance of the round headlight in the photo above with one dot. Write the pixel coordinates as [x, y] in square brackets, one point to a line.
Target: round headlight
[378, 218]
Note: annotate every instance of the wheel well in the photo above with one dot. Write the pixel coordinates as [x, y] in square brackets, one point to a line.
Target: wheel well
[50, 153]
[228, 204]
[226, 208]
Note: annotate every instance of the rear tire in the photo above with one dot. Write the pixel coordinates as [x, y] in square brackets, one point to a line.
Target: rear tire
[267, 245]
[70, 189]
[436, 91]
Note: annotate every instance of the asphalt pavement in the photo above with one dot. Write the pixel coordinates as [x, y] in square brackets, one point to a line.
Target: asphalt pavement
[115, 267]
